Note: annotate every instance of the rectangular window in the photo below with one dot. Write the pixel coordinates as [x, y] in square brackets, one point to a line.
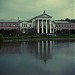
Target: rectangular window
[26, 25]
[22, 25]
[6, 24]
[59, 25]
[56, 25]
[2, 25]
[21, 30]
[30, 25]
[25, 29]
[65, 25]
[62, 25]
[10, 25]
[72, 25]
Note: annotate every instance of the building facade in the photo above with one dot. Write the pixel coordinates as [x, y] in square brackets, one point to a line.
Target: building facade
[64, 27]
[41, 24]
[9, 24]
[25, 26]
[9, 27]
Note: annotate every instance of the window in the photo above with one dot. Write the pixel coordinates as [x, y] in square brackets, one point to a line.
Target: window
[7, 24]
[22, 25]
[17, 24]
[25, 29]
[65, 26]
[72, 25]
[30, 25]
[56, 25]
[2, 25]
[59, 25]
[10, 25]
[62, 25]
[21, 29]
[26, 25]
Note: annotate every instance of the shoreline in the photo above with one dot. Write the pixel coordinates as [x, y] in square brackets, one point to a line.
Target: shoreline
[40, 39]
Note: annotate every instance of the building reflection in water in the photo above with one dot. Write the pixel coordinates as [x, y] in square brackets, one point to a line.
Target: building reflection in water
[44, 50]
[39, 49]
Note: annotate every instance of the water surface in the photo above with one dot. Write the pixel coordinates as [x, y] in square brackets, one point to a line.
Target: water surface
[37, 58]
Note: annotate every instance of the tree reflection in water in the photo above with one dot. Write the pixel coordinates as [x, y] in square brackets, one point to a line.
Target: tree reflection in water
[1, 44]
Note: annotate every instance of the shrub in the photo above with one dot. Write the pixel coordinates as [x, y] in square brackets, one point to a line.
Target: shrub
[1, 38]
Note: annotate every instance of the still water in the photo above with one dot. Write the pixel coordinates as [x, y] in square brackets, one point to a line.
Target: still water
[37, 58]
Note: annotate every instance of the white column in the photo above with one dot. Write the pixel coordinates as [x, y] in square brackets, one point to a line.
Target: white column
[38, 27]
[51, 47]
[50, 27]
[42, 27]
[46, 27]
[42, 48]
[32, 23]
[53, 28]
[46, 48]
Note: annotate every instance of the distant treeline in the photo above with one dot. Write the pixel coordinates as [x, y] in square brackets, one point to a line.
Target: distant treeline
[67, 19]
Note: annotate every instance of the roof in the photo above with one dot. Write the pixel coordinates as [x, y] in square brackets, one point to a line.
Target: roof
[44, 15]
[11, 20]
[62, 22]
[25, 21]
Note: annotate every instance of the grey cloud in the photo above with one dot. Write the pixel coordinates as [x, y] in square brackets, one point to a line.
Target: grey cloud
[29, 8]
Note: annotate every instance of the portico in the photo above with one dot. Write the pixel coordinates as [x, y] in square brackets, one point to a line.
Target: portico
[42, 23]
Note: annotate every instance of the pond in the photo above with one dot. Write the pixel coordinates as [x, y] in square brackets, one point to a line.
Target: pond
[37, 58]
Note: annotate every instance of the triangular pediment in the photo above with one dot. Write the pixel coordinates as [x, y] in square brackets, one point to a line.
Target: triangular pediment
[44, 15]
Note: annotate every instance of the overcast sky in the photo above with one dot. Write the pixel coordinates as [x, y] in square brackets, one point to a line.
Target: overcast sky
[27, 9]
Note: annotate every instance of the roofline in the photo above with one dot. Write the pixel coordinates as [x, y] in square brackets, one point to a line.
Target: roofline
[41, 15]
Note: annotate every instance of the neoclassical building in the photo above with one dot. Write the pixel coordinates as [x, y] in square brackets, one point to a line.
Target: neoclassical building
[41, 24]
[25, 26]
[9, 24]
[64, 27]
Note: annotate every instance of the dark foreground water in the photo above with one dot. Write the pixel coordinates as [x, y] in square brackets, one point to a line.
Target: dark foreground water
[38, 58]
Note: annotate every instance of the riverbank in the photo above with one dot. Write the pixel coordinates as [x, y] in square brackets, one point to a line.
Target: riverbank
[37, 38]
